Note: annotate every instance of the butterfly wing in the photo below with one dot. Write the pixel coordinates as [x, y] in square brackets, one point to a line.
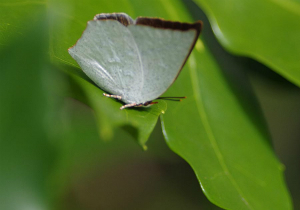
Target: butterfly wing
[137, 60]
[107, 53]
[164, 47]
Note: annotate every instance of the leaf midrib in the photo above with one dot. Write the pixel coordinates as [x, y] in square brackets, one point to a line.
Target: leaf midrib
[203, 117]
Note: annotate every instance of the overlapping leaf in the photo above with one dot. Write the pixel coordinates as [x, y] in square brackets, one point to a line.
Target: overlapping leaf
[267, 31]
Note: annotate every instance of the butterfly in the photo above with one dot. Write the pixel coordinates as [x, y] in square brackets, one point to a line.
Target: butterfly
[135, 61]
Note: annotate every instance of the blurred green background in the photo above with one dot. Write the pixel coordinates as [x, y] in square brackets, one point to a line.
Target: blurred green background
[64, 147]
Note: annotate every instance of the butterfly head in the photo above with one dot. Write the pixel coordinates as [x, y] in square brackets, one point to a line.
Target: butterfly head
[147, 104]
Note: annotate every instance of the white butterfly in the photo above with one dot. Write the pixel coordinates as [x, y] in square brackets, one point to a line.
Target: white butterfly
[134, 60]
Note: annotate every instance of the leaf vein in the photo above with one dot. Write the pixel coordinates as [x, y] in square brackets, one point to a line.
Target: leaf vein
[203, 116]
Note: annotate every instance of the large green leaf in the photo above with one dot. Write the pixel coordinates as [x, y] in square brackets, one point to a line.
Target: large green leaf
[220, 133]
[265, 30]
[227, 148]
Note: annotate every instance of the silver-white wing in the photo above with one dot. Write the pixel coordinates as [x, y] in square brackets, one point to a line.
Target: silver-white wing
[136, 60]
[163, 53]
[108, 55]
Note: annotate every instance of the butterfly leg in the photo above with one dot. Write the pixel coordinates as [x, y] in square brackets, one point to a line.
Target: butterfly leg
[128, 105]
[112, 96]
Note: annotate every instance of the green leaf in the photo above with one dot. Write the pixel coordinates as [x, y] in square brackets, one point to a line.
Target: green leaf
[267, 31]
[138, 122]
[25, 152]
[16, 17]
[219, 131]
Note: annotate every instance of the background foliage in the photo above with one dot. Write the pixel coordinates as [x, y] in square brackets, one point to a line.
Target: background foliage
[64, 146]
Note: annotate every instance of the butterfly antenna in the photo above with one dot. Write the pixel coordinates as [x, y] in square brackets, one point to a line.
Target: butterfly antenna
[172, 98]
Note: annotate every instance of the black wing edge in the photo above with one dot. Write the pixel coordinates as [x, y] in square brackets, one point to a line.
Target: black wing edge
[126, 20]
[121, 17]
[172, 25]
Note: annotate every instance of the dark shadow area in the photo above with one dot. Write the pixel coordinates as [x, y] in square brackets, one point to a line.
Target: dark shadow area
[131, 130]
[136, 179]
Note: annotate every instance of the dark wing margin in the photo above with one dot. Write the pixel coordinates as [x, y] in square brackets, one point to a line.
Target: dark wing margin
[172, 25]
[152, 22]
[121, 17]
